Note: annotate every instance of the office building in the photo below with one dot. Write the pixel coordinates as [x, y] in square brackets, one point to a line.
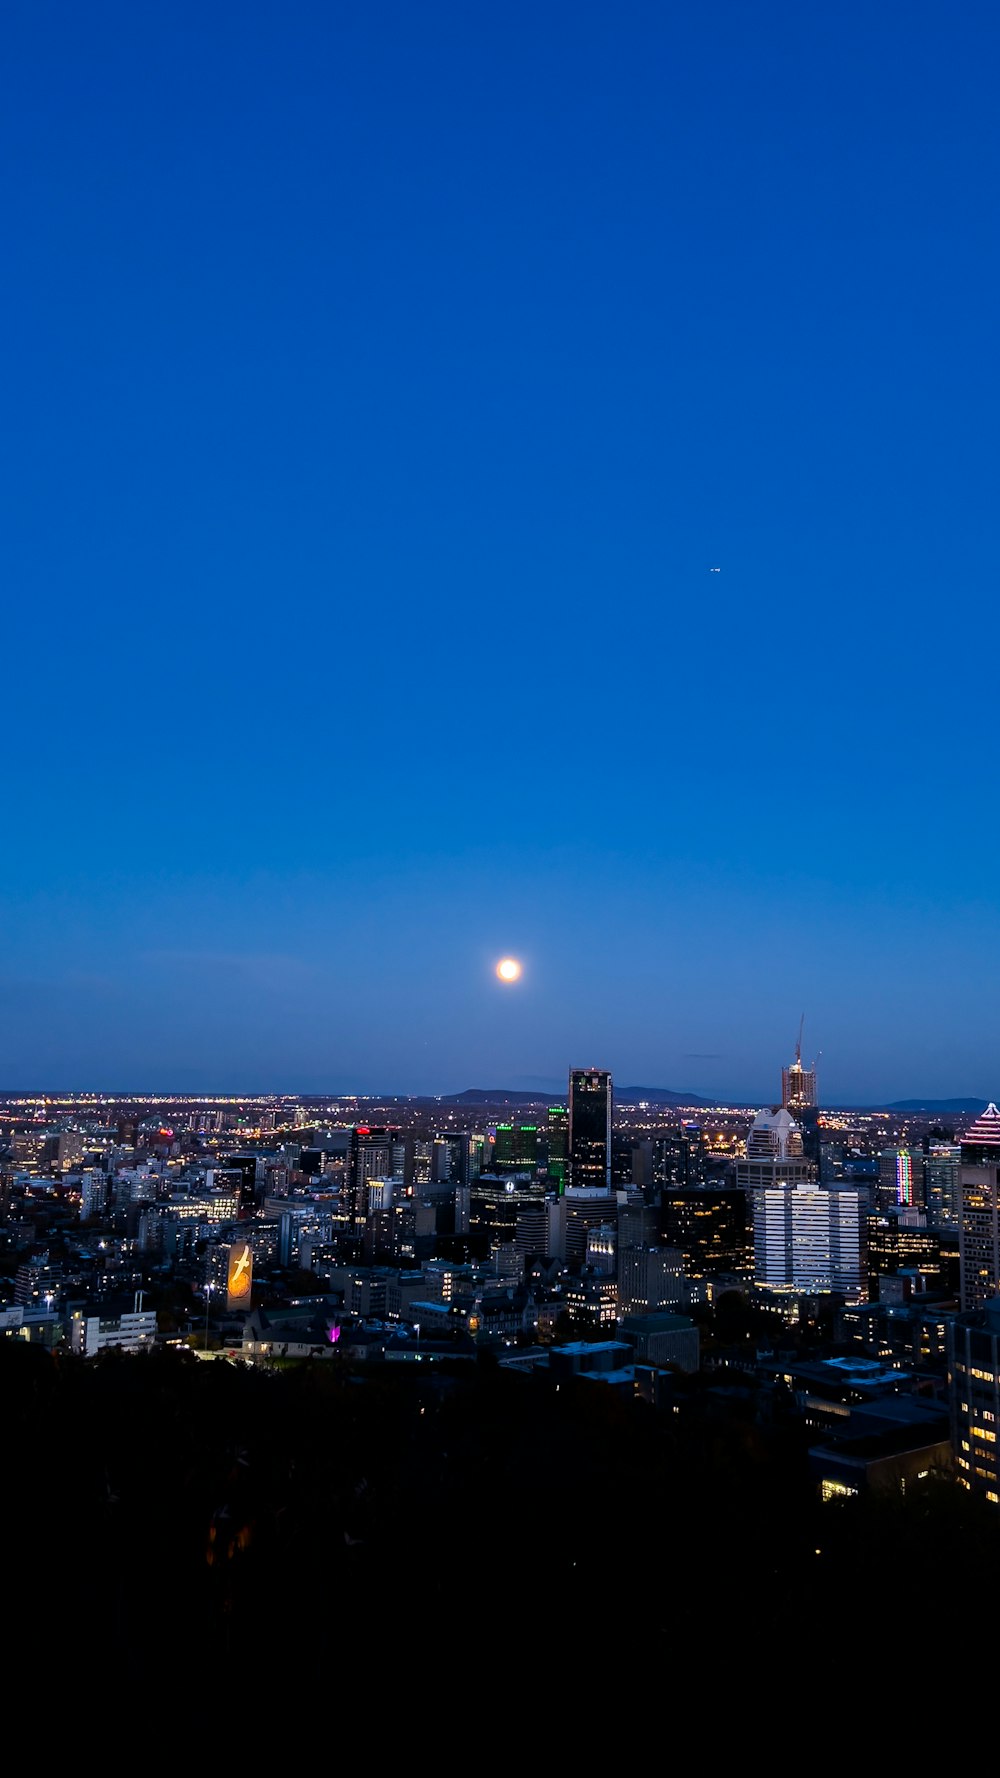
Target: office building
[798, 1095]
[621, 1159]
[591, 1300]
[372, 1155]
[601, 1254]
[774, 1155]
[510, 1215]
[941, 1184]
[586, 1208]
[979, 1198]
[93, 1193]
[420, 1163]
[246, 1165]
[69, 1150]
[711, 1227]
[661, 1338]
[650, 1279]
[798, 1083]
[557, 1146]
[590, 1103]
[638, 1222]
[447, 1161]
[900, 1241]
[974, 1398]
[679, 1157]
[134, 1330]
[806, 1239]
[515, 1148]
[810, 1240]
[900, 1179]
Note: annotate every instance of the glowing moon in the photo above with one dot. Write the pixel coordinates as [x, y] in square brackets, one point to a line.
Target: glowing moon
[508, 969]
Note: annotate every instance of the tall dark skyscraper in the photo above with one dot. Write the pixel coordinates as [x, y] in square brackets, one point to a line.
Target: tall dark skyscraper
[516, 1148]
[557, 1141]
[590, 1128]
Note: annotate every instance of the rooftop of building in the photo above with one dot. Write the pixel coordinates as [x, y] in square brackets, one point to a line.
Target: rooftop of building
[862, 1448]
[579, 1348]
[657, 1321]
[623, 1378]
[985, 1130]
[774, 1135]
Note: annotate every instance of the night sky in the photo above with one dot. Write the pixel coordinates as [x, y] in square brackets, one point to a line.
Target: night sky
[383, 383]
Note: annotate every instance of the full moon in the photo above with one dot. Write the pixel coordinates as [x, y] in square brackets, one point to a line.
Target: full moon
[508, 969]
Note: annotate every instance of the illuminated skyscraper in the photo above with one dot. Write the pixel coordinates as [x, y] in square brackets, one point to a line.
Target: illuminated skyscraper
[590, 1128]
[798, 1084]
[798, 1095]
[974, 1397]
[941, 1170]
[805, 1237]
[371, 1157]
[516, 1148]
[979, 1209]
[774, 1152]
[901, 1179]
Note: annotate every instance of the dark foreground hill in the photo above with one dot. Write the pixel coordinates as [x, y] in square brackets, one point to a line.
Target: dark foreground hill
[234, 1514]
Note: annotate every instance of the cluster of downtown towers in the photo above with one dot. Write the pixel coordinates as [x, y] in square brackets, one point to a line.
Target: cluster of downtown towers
[806, 1228]
[605, 1231]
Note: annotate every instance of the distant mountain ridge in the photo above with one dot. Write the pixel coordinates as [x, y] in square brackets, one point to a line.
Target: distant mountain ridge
[623, 1096]
[658, 1096]
[498, 1096]
[935, 1105]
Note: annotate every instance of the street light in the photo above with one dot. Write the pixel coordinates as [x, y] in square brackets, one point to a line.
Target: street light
[208, 1300]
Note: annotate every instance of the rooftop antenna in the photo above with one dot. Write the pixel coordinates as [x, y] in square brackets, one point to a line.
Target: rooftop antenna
[798, 1046]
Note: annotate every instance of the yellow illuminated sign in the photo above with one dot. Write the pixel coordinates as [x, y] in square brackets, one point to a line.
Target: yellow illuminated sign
[239, 1275]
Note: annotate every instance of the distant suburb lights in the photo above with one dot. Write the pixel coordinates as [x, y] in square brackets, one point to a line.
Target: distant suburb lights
[508, 969]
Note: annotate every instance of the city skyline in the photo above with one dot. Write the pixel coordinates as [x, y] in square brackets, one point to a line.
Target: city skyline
[488, 486]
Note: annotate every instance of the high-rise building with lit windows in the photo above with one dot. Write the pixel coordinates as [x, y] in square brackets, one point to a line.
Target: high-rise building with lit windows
[515, 1148]
[979, 1209]
[774, 1152]
[711, 1228]
[901, 1176]
[941, 1184]
[974, 1398]
[805, 1238]
[370, 1157]
[590, 1095]
[798, 1083]
[798, 1095]
[557, 1145]
[808, 1239]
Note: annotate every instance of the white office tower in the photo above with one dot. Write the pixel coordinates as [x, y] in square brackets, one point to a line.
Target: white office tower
[806, 1239]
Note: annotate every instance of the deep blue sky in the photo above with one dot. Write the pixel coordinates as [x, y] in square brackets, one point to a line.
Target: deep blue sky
[382, 384]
